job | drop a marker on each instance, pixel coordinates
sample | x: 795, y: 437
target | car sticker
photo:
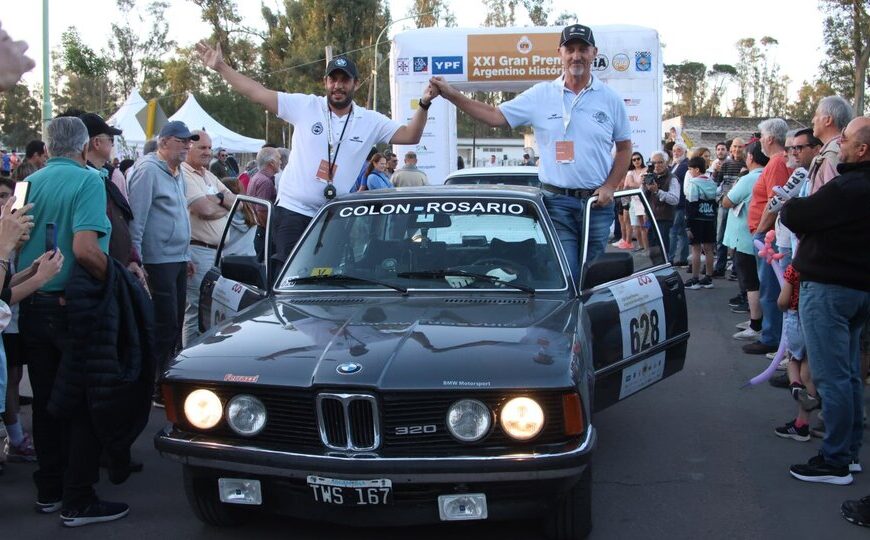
x: 433, y: 207
x: 642, y: 374
x: 641, y: 313
x: 321, y: 271
x: 225, y: 299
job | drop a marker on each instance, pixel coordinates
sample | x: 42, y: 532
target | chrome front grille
x: 348, y: 421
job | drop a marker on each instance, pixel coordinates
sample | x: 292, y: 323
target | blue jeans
x: 678, y: 240
x: 832, y: 317
x: 721, y: 249
x: 567, y: 216
x: 203, y: 259
x: 768, y: 292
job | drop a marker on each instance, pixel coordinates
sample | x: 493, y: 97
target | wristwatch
x: 425, y: 106
x: 220, y: 196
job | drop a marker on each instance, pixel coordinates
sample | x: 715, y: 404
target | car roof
x: 500, y: 171
x: 463, y: 190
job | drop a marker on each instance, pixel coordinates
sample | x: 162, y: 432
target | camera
x: 649, y: 179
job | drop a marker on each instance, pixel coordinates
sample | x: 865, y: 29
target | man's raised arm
x: 484, y: 112
x: 251, y: 89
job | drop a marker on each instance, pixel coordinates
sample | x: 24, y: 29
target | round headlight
x: 522, y: 418
x: 469, y: 420
x: 246, y: 415
x: 203, y: 409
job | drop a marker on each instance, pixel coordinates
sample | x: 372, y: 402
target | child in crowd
x: 701, y: 214
x: 802, y: 388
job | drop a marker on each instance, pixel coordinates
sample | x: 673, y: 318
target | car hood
x: 390, y: 343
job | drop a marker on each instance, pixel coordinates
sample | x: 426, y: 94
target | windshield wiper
x: 345, y: 277
x: 438, y: 274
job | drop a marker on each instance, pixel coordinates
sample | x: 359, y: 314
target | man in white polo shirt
x: 331, y: 139
x: 577, y: 119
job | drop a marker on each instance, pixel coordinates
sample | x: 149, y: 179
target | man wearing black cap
x: 331, y: 138
x: 161, y: 232
x: 577, y: 119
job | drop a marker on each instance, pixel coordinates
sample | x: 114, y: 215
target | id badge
x: 564, y: 151
x: 323, y: 171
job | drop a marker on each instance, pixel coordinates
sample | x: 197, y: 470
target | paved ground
x: 692, y: 457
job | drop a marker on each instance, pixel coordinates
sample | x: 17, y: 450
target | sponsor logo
x: 600, y: 63
x: 633, y: 118
x: 631, y: 102
x: 643, y: 60
x: 317, y: 128
x: 621, y: 62
x: 229, y: 377
x: 524, y: 45
x: 446, y: 65
x: 348, y: 368
x: 600, y: 117
x: 403, y: 66
x: 554, y: 116
x: 421, y: 148
x: 421, y: 64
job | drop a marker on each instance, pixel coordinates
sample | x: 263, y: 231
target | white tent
x: 125, y: 119
x: 195, y: 117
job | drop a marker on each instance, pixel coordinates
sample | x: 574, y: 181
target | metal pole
x: 375, y: 55
x: 46, y: 82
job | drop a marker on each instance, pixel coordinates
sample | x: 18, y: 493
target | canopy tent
x: 125, y: 119
x: 195, y: 117
x: 511, y: 60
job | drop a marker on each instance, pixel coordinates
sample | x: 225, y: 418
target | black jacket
x: 112, y: 366
x: 833, y: 226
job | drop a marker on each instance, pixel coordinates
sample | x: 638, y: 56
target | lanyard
x: 566, y: 117
x: 330, y: 160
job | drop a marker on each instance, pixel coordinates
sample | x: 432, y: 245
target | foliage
x: 538, y: 11
x: 762, y: 87
x: 81, y: 76
x: 688, y: 81
x: 846, y: 33
x: 808, y: 99
x: 20, y: 116
x: 500, y: 12
x: 431, y: 13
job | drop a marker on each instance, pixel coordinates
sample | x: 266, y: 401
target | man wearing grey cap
x: 577, y: 121
x: 160, y: 232
x: 331, y: 138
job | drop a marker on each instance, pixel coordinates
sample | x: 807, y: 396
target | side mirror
x: 608, y: 267
x: 244, y: 269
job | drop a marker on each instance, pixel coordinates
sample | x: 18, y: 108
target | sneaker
x: 22, y: 453
x: 706, y: 282
x: 795, y: 389
x: 855, y: 466
x: 790, y: 431
x: 625, y: 245
x: 742, y: 308
x: 743, y: 326
x: 97, y: 512
x: 808, y: 402
x: 49, y: 507
x: 736, y: 301
x: 857, y: 512
x: 779, y: 381
x: 758, y: 348
x: 747, y: 335
x: 819, y: 470
x: 783, y: 364
x: 693, y: 283
x: 732, y: 277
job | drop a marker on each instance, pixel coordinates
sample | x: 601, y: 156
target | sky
x: 701, y: 31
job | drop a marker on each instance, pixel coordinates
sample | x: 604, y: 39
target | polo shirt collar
x: 357, y: 110
x: 63, y: 161
x: 560, y: 82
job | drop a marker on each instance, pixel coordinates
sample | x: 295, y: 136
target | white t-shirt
x: 299, y: 189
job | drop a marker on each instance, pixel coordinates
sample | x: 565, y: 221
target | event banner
x: 513, y: 57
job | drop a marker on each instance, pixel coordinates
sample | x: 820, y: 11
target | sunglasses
x: 636, y: 159
x: 799, y: 147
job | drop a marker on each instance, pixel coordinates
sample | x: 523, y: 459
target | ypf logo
x: 600, y: 63
x: 524, y: 45
x: 447, y: 65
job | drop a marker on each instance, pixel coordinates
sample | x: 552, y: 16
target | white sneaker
x: 743, y: 326
x: 747, y: 335
x: 783, y: 364
x: 770, y: 355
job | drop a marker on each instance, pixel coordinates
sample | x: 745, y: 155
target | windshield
x: 432, y: 243
x: 506, y: 179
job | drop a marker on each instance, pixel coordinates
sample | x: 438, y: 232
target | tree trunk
x: 860, y: 77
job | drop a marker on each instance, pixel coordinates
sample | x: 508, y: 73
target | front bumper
x: 521, y: 485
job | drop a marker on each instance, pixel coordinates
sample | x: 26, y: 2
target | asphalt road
x: 692, y: 457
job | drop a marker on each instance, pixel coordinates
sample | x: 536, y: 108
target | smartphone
x: 50, y: 237
x: 21, y: 191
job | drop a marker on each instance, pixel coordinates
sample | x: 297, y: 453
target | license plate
x: 351, y: 492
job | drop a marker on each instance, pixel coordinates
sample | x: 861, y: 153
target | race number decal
x: 641, y: 313
x: 226, y: 297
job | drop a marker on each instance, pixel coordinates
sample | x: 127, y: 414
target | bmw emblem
x: 348, y: 368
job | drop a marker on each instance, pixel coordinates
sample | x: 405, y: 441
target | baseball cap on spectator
x: 342, y: 63
x: 577, y: 31
x: 97, y: 126
x: 178, y: 129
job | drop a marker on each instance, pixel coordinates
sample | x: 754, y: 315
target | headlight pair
x: 245, y: 414
x: 470, y: 420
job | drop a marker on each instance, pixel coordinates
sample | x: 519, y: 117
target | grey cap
x: 178, y: 129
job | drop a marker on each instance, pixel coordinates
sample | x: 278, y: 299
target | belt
x: 578, y: 193
x: 202, y: 244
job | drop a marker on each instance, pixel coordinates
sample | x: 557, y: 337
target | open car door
x: 238, y: 278
x: 635, y: 304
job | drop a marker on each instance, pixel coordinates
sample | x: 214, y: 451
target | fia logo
x: 643, y: 60
x: 317, y: 128
x: 403, y: 66
x: 421, y: 64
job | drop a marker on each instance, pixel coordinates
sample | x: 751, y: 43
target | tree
x: 846, y: 32
x: 20, y: 116
x: 808, y: 99
x: 538, y: 11
x: 138, y: 61
x: 430, y: 13
x: 500, y: 12
x: 762, y: 88
x: 688, y: 81
x: 565, y: 18
x: 81, y: 76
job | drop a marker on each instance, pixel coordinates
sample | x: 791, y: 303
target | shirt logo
x: 403, y: 66
x: 421, y: 64
x: 446, y: 65
x: 554, y: 116
x: 600, y: 117
x: 355, y: 138
x: 620, y: 62
x: 317, y: 128
x: 643, y: 60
